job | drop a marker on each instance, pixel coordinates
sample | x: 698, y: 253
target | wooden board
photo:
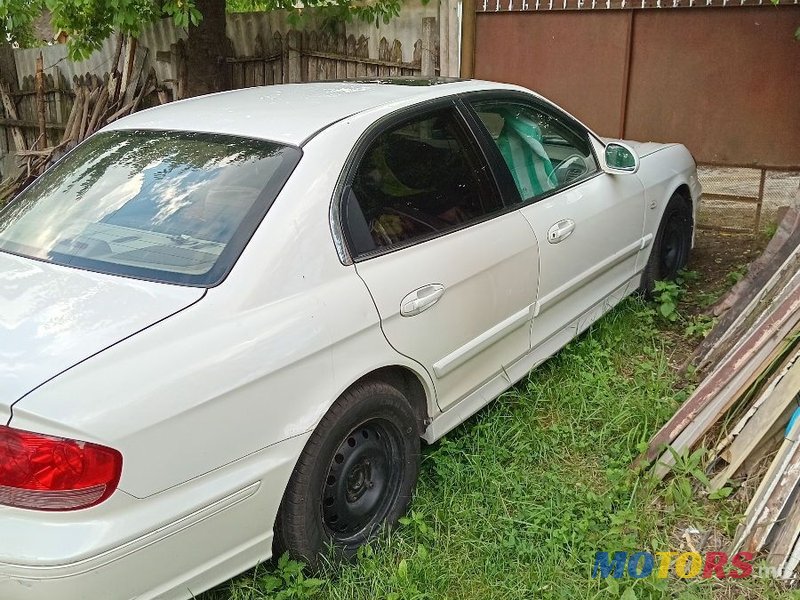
x: 720, y: 389
x: 757, y: 423
x: 768, y: 484
x: 786, y: 534
x: 11, y: 111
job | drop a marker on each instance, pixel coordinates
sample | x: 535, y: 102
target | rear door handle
x: 560, y: 231
x: 421, y: 299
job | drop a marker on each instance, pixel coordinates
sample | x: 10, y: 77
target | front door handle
x: 421, y: 299
x: 560, y: 231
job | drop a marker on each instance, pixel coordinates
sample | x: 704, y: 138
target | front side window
x: 416, y: 180
x: 542, y: 152
x: 176, y: 207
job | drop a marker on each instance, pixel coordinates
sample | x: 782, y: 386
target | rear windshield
x: 168, y: 206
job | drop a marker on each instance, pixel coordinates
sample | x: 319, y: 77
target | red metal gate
x: 720, y: 76
x: 724, y: 81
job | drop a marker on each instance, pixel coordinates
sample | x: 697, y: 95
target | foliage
x: 771, y: 229
x: 89, y: 22
x: 737, y: 274
x: 667, y: 294
x: 16, y: 20
x: 287, y: 581
x: 700, y: 325
x: 329, y: 11
x: 687, y: 473
x: 797, y: 31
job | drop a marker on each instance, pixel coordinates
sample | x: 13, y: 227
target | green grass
x: 514, y: 503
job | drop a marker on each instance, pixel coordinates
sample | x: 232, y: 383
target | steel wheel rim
x: 362, y: 483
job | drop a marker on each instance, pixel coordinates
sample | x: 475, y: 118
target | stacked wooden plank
x: 97, y: 102
x: 751, y: 390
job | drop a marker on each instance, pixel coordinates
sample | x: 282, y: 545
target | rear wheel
x: 672, y: 244
x: 356, y: 474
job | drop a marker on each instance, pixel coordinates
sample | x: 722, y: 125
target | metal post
x: 626, y: 75
x: 760, y: 200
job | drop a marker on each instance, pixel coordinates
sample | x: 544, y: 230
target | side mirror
x: 621, y: 158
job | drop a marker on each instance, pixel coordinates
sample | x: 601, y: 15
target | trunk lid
x: 53, y: 317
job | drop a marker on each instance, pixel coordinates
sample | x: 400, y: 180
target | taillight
x: 48, y: 473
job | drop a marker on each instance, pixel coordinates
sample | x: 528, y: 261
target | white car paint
x: 608, y: 214
x: 53, y: 317
x: 487, y: 301
x: 211, y: 406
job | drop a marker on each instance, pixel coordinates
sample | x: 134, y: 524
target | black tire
x: 356, y: 474
x: 670, y: 252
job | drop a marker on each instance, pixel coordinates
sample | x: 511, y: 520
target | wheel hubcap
x: 363, y: 482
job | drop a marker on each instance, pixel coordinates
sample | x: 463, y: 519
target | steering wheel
x: 570, y: 168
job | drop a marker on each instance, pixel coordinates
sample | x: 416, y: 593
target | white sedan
x: 226, y: 323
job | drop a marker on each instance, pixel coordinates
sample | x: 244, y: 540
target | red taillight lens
x: 49, y: 473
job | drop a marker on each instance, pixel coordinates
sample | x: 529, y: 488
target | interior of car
x: 542, y: 153
x: 419, y: 179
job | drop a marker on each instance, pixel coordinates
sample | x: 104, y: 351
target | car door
x: 589, y: 223
x: 452, y: 271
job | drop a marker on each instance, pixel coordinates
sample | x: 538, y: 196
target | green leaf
x: 612, y: 586
x: 270, y: 583
x: 402, y: 569
x: 701, y: 477
x: 720, y: 493
x: 666, y: 309
x: 628, y: 594
x: 422, y: 551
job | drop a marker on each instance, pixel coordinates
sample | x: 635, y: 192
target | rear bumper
x: 169, y: 546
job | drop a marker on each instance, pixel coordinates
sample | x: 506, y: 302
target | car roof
x: 293, y: 113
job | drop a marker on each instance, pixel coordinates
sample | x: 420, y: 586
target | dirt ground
x: 718, y: 259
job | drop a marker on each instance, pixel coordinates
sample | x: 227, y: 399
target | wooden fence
x: 295, y: 56
x: 22, y: 119
x: 317, y: 56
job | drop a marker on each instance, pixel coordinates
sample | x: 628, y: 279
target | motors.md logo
x: 684, y: 565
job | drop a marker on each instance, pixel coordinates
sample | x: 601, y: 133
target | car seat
x: 520, y: 143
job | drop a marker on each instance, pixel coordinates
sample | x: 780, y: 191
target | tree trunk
x: 207, y: 49
x: 8, y: 69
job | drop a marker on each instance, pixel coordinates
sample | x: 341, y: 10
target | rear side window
x: 176, y: 207
x: 542, y: 151
x: 417, y: 180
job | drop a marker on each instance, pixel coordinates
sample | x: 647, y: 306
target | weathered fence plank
x: 51, y: 103
x: 11, y: 111
x: 293, y: 45
x: 277, y: 65
x: 429, y: 54
x: 362, y: 51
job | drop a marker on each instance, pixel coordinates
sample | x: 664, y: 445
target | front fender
x: 662, y: 173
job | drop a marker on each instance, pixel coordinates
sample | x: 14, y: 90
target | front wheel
x: 356, y: 474
x: 670, y: 252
